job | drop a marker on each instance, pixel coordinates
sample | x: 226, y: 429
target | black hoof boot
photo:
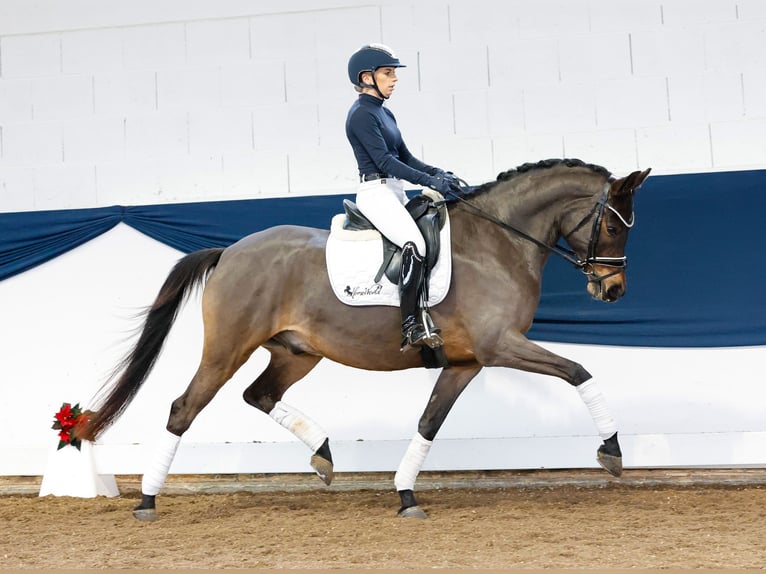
x: 410, y: 508
x: 146, y: 511
x: 321, y: 462
x: 609, y: 456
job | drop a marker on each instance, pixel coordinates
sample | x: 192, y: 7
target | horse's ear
x: 630, y: 183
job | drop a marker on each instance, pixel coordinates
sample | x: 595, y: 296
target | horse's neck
x: 538, y: 203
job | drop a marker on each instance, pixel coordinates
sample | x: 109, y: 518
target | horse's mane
x: 527, y: 167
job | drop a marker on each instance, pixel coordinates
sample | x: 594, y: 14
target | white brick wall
x: 90, y: 51
x: 15, y: 100
x: 635, y: 102
x: 680, y: 13
x: 157, y: 135
x: 32, y: 144
x: 678, y: 146
x: 30, y: 56
x: 62, y: 97
x: 189, y: 88
x: 667, y: 52
x: 162, y: 46
x: 255, y: 81
x: 121, y: 92
x: 614, y: 148
x: 253, y: 173
x: 64, y: 186
x: 562, y: 107
x: 218, y: 42
x: 712, y: 96
x: 624, y: 15
x: 220, y: 130
x: 594, y: 57
x: 126, y: 104
x: 739, y: 144
x: 93, y: 140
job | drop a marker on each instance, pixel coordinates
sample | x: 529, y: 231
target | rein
x: 564, y: 252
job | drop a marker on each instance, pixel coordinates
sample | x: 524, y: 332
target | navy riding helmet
x: 369, y: 58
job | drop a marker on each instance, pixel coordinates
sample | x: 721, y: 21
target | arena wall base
x: 709, y: 450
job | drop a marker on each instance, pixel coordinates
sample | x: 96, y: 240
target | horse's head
x: 610, y: 221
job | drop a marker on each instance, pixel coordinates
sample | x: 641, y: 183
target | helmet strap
x: 377, y: 89
x: 373, y: 85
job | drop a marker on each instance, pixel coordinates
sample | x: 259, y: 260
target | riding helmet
x: 369, y: 58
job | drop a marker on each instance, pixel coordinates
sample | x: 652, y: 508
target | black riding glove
x: 442, y: 182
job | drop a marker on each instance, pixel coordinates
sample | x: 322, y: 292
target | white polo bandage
x: 413, y: 460
x: 299, y: 424
x: 155, y: 476
x: 599, y: 411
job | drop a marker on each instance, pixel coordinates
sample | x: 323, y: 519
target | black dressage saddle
x: 429, y: 216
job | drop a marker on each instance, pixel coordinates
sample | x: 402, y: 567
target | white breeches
x: 383, y: 204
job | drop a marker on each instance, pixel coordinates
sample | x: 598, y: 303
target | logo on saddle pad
x: 369, y: 291
x: 363, y: 266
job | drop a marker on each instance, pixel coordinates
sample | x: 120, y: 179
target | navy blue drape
x: 31, y: 238
x: 695, y: 268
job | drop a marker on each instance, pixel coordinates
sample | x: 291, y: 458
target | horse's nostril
x: 615, y: 291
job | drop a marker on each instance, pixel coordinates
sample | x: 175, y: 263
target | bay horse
x: 271, y: 289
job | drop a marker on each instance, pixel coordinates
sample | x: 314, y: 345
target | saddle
x: 429, y: 214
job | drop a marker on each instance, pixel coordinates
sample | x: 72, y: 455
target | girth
x: 429, y: 216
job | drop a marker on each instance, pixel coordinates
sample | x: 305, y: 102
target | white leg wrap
x: 413, y: 460
x: 155, y: 476
x: 299, y: 424
x: 596, y: 404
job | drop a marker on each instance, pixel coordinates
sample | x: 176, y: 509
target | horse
x: 271, y: 289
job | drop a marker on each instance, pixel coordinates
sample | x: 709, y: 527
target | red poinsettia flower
x: 65, y: 421
x: 64, y: 414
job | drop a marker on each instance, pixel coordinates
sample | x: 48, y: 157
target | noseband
x: 584, y: 265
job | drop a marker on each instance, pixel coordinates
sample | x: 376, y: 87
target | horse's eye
x: 611, y: 230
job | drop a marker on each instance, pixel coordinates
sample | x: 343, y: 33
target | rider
x: 384, y: 161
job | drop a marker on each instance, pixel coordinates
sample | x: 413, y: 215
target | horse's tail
x: 189, y: 272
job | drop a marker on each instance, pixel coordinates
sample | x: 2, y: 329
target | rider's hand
x: 442, y: 182
x: 453, y: 180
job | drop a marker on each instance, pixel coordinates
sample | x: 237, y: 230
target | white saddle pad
x: 354, y: 258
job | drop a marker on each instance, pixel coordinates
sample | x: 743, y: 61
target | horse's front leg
x: 447, y: 389
x: 521, y: 353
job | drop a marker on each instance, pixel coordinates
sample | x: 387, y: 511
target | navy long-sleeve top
x: 378, y: 145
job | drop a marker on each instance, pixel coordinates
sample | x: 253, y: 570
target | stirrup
x: 421, y: 333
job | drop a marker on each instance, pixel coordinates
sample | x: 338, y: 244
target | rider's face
x: 386, y: 79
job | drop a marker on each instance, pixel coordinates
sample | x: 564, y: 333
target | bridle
x: 591, y: 259
x: 586, y: 265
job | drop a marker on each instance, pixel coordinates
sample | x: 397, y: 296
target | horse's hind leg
x: 447, y: 389
x: 286, y: 368
x: 207, y: 381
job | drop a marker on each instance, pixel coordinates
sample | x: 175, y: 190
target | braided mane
x: 527, y: 167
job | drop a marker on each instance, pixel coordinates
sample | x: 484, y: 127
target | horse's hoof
x: 413, y: 512
x: 610, y: 463
x: 323, y: 468
x: 145, y: 514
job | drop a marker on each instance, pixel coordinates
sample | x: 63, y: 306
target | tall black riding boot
x: 417, y: 329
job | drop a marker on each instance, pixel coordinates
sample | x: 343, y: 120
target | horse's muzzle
x: 608, y: 287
